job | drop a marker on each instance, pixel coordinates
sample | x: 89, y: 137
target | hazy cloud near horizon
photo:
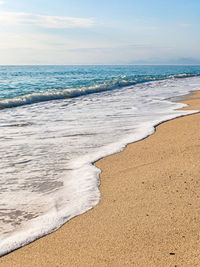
x: 87, y: 32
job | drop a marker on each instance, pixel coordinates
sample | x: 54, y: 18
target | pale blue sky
x: 99, y: 32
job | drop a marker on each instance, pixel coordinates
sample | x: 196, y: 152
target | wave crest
x: 76, y: 92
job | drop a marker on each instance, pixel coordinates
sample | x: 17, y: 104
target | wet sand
x: 149, y: 214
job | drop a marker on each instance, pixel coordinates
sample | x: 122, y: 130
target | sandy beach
x: 149, y: 213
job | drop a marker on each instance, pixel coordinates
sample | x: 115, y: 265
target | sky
x: 99, y: 32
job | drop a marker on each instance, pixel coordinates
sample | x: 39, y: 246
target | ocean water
x: 55, y: 121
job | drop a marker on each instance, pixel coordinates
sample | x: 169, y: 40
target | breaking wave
x: 76, y: 92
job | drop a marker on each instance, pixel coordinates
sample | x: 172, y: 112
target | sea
x: 56, y: 121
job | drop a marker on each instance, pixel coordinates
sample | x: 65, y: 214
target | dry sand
x: 149, y: 214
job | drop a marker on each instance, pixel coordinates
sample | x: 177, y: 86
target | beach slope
x: 149, y: 214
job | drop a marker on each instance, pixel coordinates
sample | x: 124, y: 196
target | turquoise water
x: 31, y: 84
x: 55, y: 121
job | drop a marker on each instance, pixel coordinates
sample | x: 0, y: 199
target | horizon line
x: 96, y: 64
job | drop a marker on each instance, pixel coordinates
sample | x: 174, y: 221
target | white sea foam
x: 47, y: 151
x: 48, y: 95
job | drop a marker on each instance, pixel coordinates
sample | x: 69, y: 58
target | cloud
x: 185, y: 25
x: 23, y: 41
x: 54, y: 22
x: 1, y: 2
x: 40, y: 41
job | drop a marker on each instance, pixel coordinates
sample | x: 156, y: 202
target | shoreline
x: 108, y: 232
